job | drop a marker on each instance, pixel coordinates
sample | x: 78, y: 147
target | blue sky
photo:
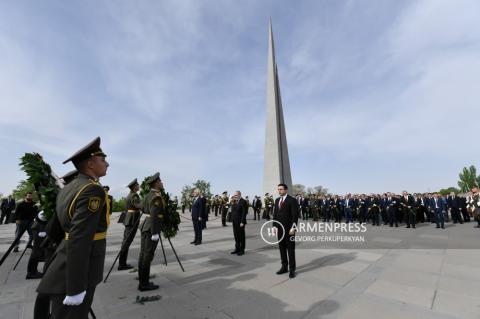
x: 378, y: 95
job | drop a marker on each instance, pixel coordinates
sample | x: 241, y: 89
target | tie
x: 281, y: 202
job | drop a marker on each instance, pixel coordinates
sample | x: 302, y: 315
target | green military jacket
x: 475, y: 204
x: 268, y: 202
x: 225, y: 202
x: 133, y: 205
x: 154, y: 209
x: 84, y: 214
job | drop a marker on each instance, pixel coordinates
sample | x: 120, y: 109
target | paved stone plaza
x: 331, y: 283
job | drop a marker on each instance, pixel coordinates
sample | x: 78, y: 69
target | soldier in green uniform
x: 133, y: 206
x: 154, y: 209
x: 55, y: 235
x: 84, y: 215
x: 184, y: 204
x: 208, y: 205
x: 215, y: 205
x: 268, y: 206
x: 110, y: 197
x: 224, y: 204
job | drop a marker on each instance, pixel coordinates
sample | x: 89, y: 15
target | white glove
x: 42, y: 217
x: 74, y: 300
x: 155, y: 237
x: 42, y: 234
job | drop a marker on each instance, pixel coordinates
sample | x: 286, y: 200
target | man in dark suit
x: 257, y: 207
x: 239, y: 219
x: 325, y: 205
x: 336, y: 206
x: 198, y: 214
x: 348, y: 205
x: 453, y: 204
x: 407, y: 203
x: 285, y: 212
x: 384, y: 208
x: 439, y: 207
x: 392, y: 204
x: 304, y: 207
x: 420, y: 208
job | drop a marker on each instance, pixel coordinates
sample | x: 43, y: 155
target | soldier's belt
x: 132, y: 211
x: 97, y: 236
x: 159, y: 215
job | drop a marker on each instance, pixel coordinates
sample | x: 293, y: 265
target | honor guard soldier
x: 37, y: 250
x: 53, y: 238
x: 215, y: 205
x: 154, y: 208
x: 184, y: 204
x: 133, y: 206
x: 110, y: 198
x: 224, y: 203
x: 84, y: 215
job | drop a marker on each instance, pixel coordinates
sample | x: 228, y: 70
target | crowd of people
x: 377, y: 209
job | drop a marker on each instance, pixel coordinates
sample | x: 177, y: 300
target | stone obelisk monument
x: 276, y: 165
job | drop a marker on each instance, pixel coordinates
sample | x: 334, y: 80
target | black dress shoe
x: 198, y: 243
x: 291, y: 274
x: 35, y: 275
x: 282, y: 271
x: 234, y: 252
x: 193, y: 242
x: 15, y: 250
x: 148, y: 287
x: 240, y: 253
x: 125, y: 267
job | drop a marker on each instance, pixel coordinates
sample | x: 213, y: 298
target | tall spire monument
x: 276, y: 162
